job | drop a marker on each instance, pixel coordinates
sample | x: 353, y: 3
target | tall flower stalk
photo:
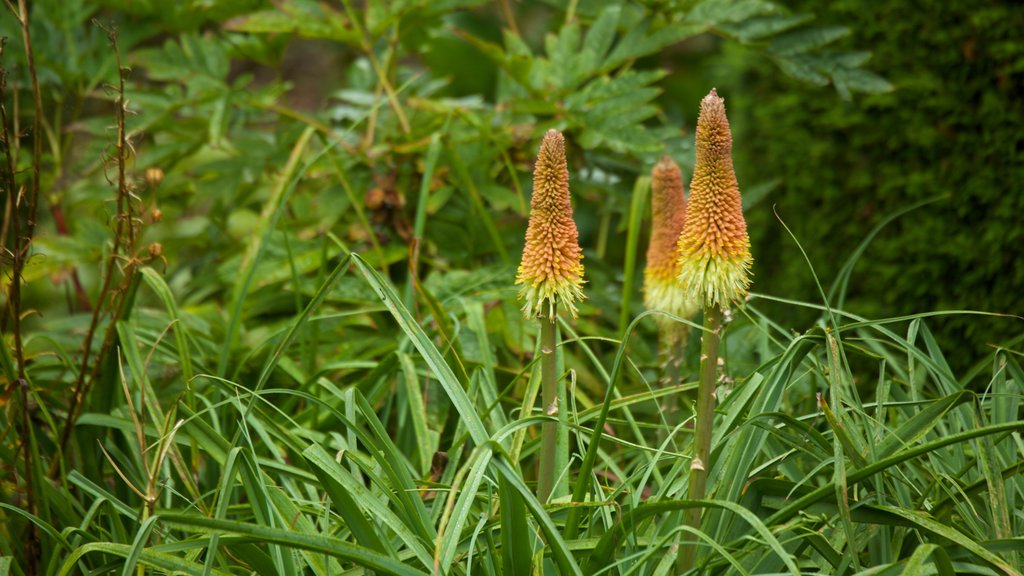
x: 550, y: 274
x: 661, y: 274
x: 714, y: 270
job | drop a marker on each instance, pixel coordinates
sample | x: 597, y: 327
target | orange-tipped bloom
x: 714, y: 249
x: 551, y: 271
x: 668, y: 213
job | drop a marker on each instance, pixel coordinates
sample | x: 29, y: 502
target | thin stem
x: 701, y: 463
x: 122, y: 250
x: 549, y: 393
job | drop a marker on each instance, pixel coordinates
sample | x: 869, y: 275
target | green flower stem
x: 700, y: 465
x: 549, y: 394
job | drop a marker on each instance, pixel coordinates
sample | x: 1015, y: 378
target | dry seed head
x: 714, y: 248
x: 154, y: 176
x: 551, y: 271
x: 668, y: 213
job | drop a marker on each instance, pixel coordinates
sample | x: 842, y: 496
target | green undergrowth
x: 417, y: 454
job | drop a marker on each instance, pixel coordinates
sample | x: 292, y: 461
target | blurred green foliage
x: 953, y: 127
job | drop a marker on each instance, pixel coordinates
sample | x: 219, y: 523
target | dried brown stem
x: 21, y: 247
x: 123, y: 250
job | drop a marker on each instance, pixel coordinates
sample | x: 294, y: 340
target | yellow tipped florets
x: 714, y: 248
x: 668, y: 213
x: 551, y: 271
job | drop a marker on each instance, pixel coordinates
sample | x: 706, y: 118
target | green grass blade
x: 181, y: 334
x: 138, y: 545
x: 452, y: 387
x: 426, y: 441
x: 406, y: 492
x: 553, y: 538
x: 516, y: 552
x: 916, y: 566
x: 941, y: 530
x: 605, y: 549
x: 861, y: 474
x: 464, y: 491
x: 920, y: 424
x: 336, y: 478
x: 159, y: 560
x: 637, y: 209
x: 343, y: 492
x: 296, y: 325
x: 334, y: 547
x: 272, y: 212
x: 590, y: 457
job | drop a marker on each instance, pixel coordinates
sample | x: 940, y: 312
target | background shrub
x: 953, y: 127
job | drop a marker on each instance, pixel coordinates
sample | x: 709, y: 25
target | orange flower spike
x: 714, y: 248
x: 551, y: 271
x: 668, y: 211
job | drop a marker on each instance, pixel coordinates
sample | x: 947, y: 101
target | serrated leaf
x: 563, y: 51
x: 638, y: 42
x: 619, y: 139
x: 600, y: 37
x: 860, y: 80
x: 851, y: 59
x: 515, y: 58
x: 803, y: 41
x: 714, y: 12
x: 605, y: 88
x: 803, y: 69
x: 761, y: 27
x: 305, y: 18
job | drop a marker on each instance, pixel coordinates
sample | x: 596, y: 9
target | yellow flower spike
x: 551, y: 271
x: 714, y: 248
x: 668, y: 213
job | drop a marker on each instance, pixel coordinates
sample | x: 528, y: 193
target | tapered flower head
x: 714, y: 248
x: 551, y: 271
x: 668, y: 213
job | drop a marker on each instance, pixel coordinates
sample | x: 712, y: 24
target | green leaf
x: 803, y: 69
x: 628, y: 521
x: 639, y: 42
x: 929, y: 524
x: 715, y: 12
x: 351, y: 497
x: 860, y: 80
x: 305, y: 18
x: 757, y: 28
x: 563, y: 52
x: 334, y: 547
x: 920, y: 424
x: 599, y: 38
x: 803, y: 41
x: 344, y: 491
x: 517, y: 554
x: 452, y: 387
x: 146, y: 557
